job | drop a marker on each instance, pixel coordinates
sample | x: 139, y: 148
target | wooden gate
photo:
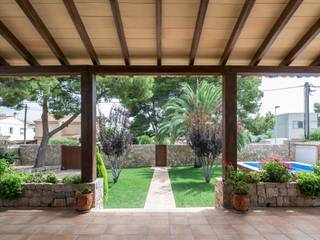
x: 71, y: 157
x: 161, y: 155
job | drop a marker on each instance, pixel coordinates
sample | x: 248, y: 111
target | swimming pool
x: 296, y: 166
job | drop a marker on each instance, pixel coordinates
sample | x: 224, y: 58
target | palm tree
x: 206, y: 98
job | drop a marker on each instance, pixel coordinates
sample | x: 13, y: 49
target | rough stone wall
x: 28, y: 154
x: 266, y: 194
x: 257, y: 152
x: 180, y: 155
x: 54, y: 195
x: 141, y: 156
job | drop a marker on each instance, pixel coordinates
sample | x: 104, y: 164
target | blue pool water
x: 296, y: 167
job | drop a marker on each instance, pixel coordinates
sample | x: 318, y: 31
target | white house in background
x: 14, y: 129
x: 291, y: 125
x: 73, y: 131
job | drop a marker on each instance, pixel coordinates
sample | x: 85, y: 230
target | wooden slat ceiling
x: 154, y: 32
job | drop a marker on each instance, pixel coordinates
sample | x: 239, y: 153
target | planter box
x: 54, y: 195
x: 266, y: 194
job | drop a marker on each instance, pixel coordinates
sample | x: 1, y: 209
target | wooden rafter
x: 316, y: 62
x: 38, y: 24
x: 75, y: 16
x: 3, y: 62
x: 198, y: 30
x: 284, y: 18
x: 119, y: 26
x: 245, y: 12
x: 307, y: 38
x: 16, y: 44
x: 159, y: 31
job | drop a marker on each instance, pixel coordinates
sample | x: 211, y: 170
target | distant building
x: 291, y: 125
x: 73, y: 131
x: 13, y: 129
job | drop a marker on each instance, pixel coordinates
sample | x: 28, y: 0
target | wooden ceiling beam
x: 119, y: 26
x: 3, y: 62
x: 245, y: 12
x: 38, y: 24
x: 307, y: 38
x: 198, y: 30
x: 160, y: 70
x: 159, y: 31
x: 17, y: 45
x: 284, y: 18
x: 76, y: 19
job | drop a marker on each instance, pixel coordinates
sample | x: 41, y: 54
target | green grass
x: 131, y: 189
x: 190, y: 189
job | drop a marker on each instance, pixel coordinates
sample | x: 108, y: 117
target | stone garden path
x: 160, y: 195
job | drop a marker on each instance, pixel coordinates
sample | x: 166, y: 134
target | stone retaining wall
x: 180, y: 155
x: 141, y: 156
x: 266, y: 194
x: 144, y: 155
x: 54, y: 195
x: 28, y: 154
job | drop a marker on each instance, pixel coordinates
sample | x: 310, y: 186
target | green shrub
x: 86, y: 190
x: 252, y: 177
x: 237, y: 179
x: 102, y: 173
x: 64, y: 141
x: 316, y: 169
x: 275, y: 171
x: 52, y: 178
x: 72, y: 179
x: 315, y: 135
x: 240, y: 187
x: 309, y: 184
x: 145, y: 139
x: 35, y: 178
x: 11, y: 185
x: 10, y: 157
x: 4, y: 166
x: 25, y: 177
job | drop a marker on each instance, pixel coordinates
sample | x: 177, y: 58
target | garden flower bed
x: 274, y: 186
x: 266, y: 194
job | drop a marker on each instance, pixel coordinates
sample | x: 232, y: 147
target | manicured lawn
x: 131, y: 189
x: 190, y: 189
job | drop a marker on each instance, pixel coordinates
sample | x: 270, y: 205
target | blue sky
x: 289, y: 100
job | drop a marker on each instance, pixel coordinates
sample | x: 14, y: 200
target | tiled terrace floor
x: 202, y: 224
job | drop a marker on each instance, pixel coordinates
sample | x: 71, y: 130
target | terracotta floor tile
x: 160, y: 229
x: 93, y: 229
x: 112, y: 237
x: 271, y: 236
x: 178, y: 220
x: 201, y: 230
x: 266, y: 224
x: 12, y: 237
x: 266, y: 228
x: 245, y: 229
x: 177, y: 229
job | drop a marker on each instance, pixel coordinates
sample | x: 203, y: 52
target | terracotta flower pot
x: 241, y: 202
x: 84, y: 202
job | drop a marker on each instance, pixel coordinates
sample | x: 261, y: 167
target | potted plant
x: 240, y: 189
x: 240, y: 196
x: 84, y: 200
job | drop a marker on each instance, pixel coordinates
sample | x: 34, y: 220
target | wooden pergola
x: 155, y: 37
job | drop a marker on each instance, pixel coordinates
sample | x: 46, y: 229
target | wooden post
x: 88, y: 126
x: 229, y: 112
